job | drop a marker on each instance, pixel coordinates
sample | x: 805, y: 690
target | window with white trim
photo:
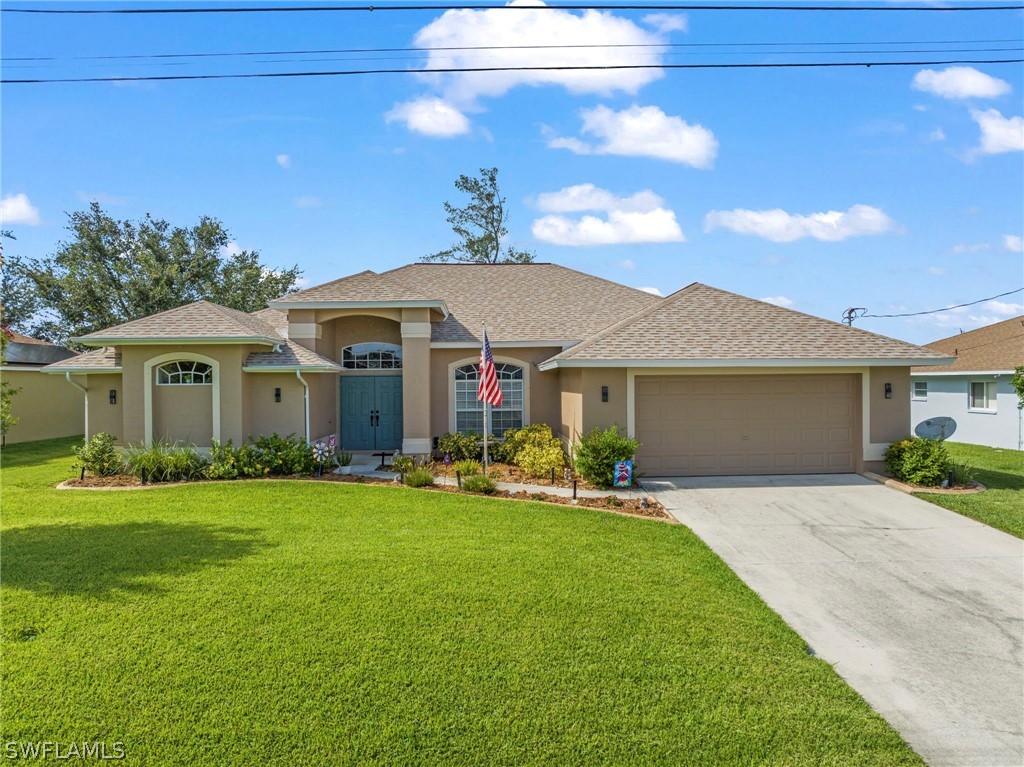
x: 469, y: 411
x: 920, y: 390
x: 184, y: 373
x: 372, y: 356
x: 983, y: 396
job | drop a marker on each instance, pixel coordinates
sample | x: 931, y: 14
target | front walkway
x: 920, y: 609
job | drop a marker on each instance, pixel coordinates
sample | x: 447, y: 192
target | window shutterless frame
x: 920, y: 390
x: 981, y: 397
x: 184, y: 373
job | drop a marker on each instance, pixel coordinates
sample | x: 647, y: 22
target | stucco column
x: 416, y: 436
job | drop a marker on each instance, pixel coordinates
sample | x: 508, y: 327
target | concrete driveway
x: 921, y: 610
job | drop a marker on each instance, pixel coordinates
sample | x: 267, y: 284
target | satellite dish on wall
x: 940, y: 428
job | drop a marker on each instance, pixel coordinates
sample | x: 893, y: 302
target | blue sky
x: 894, y: 189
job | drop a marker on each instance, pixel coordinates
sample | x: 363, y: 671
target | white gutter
x: 305, y: 400
x: 290, y: 368
x: 931, y: 373
x: 744, y: 363
x: 176, y: 340
x: 86, y: 391
x: 83, y: 371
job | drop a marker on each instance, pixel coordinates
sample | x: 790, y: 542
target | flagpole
x: 487, y: 405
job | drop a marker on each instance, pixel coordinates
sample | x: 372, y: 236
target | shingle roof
x: 993, y: 347
x: 95, y: 361
x: 704, y: 323
x: 201, y: 320
x: 291, y: 355
x: 518, y: 302
x: 277, y: 320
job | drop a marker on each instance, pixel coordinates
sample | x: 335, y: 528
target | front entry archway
x: 371, y: 412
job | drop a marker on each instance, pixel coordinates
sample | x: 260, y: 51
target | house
x: 709, y: 382
x: 976, y: 390
x: 45, y: 407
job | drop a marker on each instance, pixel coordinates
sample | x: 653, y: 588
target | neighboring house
x: 976, y: 389
x: 709, y: 382
x: 44, y: 406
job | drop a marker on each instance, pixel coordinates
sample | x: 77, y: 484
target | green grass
x: 1002, y: 472
x: 285, y: 623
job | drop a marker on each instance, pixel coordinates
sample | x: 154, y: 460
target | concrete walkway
x: 920, y: 609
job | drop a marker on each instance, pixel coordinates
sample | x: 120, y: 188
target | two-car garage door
x: 746, y: 424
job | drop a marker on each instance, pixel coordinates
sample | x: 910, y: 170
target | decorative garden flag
x: 624, y: 474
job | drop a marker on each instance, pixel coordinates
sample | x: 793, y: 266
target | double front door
x: 371, y: 412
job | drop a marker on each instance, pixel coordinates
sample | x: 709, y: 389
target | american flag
x: 488, y: 390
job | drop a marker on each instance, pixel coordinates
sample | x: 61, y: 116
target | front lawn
x: 290, y: 623
x: 1002, y: 472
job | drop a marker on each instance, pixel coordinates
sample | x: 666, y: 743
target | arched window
x: 372, y: 357
x: 184, y: 373
x: 469, y: 411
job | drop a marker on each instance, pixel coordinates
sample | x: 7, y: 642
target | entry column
x: 416, y: 437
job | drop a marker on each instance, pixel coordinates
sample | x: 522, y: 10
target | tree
x: 481, y: 224
x: 7, y: 419
x: 115, y: 271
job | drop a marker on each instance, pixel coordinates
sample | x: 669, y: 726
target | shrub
x: 467, y: 468
x: 403, y: 464
x: 917, y: 460
x: 479, y: 483
x: 963, y: 473
x: 344, y: 458
x: 461, y: 447
x: 534, y: 448
x: 599, y: 450
x: 99, y: 456
x: 223, y: 461
x: 275, y: 455
x: 501, y: 451
x: 419, y: 478
x: 161, y: 462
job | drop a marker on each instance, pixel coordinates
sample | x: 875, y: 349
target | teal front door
x: 371, y: 412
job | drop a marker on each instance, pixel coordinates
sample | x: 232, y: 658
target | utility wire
x: 503, y: 48
x: 449, y: 70
x: 495, y: 7
x: 934, y: 311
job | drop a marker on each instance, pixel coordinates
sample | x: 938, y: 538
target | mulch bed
x: 118, y: 480
x: 503, y: 472
x: 908, y: 487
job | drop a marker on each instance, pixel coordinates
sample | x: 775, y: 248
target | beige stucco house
x: 709, y: 382
x: 45, y: 407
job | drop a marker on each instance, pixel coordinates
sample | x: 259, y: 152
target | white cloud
x: 430, y: 116
x: 667, y: 22
x: 284, y: 160
x: 937, y: 135
x: 969, y: 317
x: 498, y: 27
x: 1013, y: 243
x: 782, y: 301
x: 936, y: 270
x: 308, y: 201
x: 960, y: 83
x: 652, y: 291
x: 779, y: 226
x: 643, y: 132
x: 232, y: 249
x: 969, y: 247
x: 998, y: 134
x: 1004, y: 308
x: 18, y: 209
x: 627, y: 263
x: 639, y: 218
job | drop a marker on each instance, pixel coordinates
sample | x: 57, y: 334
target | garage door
x: 773, y: 424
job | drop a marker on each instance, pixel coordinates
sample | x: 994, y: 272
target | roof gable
x: 701, y: 323
x: 199, y: 321
x: 994, y: 347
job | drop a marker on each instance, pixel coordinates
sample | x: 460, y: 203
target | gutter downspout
x: 305, y: 400
x: 84, y: 389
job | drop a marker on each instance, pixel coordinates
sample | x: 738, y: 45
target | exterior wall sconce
x: 888, y: 391
x: 113, y: 396
x: 277, y: 394
x: 604, y: 393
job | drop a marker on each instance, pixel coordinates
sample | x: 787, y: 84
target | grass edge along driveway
x: 292, y: 623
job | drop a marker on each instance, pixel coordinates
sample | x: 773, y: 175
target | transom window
x: 469, y: 411
x: 184, y: 373
x: 920, y: 390
x: 372, y: 356
x: 983, y: 396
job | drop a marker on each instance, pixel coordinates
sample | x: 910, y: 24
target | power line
x: 217, y: 54
x: 855, y: 313
x: 495, y: 7
x: 450, y: 70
